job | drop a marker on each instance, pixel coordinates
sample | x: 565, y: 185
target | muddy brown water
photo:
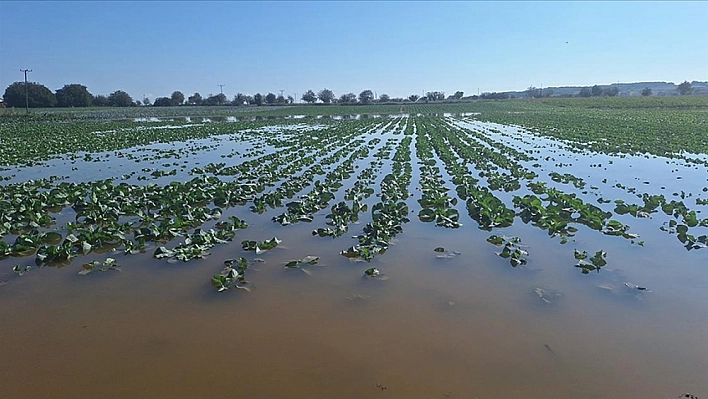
x: 467, y: 327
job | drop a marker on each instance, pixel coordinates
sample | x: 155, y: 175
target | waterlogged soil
x: 459, y: 322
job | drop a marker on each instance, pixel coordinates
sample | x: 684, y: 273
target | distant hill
x: 625, y: 89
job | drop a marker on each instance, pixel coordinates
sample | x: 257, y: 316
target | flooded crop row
x: 458, y: 255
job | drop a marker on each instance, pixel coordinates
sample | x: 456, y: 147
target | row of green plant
x: 390, y: 213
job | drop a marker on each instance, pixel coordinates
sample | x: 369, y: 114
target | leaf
x: 19, y: 270
x: 495, y: 240
x: 85, y: 247
x: 310, y: 259
x: 599, y: 259
x: 372, y: 272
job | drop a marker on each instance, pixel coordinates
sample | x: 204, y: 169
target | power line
x: 26, y: 89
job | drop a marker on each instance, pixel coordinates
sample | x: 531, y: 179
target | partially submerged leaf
x: 372, y: 272
x: 547, y: 295
x: 19, y: 270
x: 232, y: 275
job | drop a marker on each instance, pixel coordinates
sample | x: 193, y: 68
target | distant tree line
x: 76, y: 95
x: 71, y: 95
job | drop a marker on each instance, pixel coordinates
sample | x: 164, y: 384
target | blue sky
x: 399, y: 48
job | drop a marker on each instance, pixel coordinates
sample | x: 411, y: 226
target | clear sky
x: 398, y: 47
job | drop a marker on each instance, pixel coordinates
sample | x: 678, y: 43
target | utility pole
x: 26, y: 89
x: 221, y: 90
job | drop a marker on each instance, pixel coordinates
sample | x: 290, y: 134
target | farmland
x: 490, y: 248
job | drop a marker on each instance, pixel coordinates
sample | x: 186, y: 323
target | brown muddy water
x: 466, y: 327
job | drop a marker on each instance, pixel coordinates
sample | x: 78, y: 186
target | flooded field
x: 399, y: 256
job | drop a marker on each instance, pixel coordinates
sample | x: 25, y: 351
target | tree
x: 413, y: 97
x: 281, y: 100
x: 347, y: 98
x: 435, y: 95
x: 325, y: 95
x: 73, y: 95
x: 239, y: 99
x: 291, y: 100
x: 309, y: 97
x: 270, y: 98
x: 384, y: 98
x: 366, y: 96
x: 195, y: 99
x: 585, y: 92
x: 596, y: 91
x: 100, y: 101
x: 533, y: 92
x: 218, y: 99
x: 611, y: 91
x: 177, y: 98
x: 119, y: 98
x: 163, y: 102
x: 38, y: 95
x: 258, y: 99
x: 146, y: 101
x: 646, y: 92
x: 684, y: 88
x: 459, y: 95
x: 495, y: 96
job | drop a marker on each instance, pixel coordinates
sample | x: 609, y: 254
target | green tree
x: 585, y: 92
x: 611, y: 91
x: 325, y: 95
x: 384, y: 98
x: 218, y: 99
x: 459, y: 94
x: 258, y: 99
x: 73, y: 95
x: 646, y: 92
x: 309, y: 97
x: 281, y: 100
x: 100, y: 101
x: 38, y: 95
x: 413, y: 97
x: 239, y: 99
x: 291, y: 100
x: 347, y: 98
x: 195, y: 99
x: 533, y: 92
x: 177, y: 98
x: 163, y: 102
x: 684, y: 88
x: 596, y: 91
x: 270, y: 98
x: 435, y: 95
x: 366, y: 96
x: 146, y: 101
x: 119, y: 98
